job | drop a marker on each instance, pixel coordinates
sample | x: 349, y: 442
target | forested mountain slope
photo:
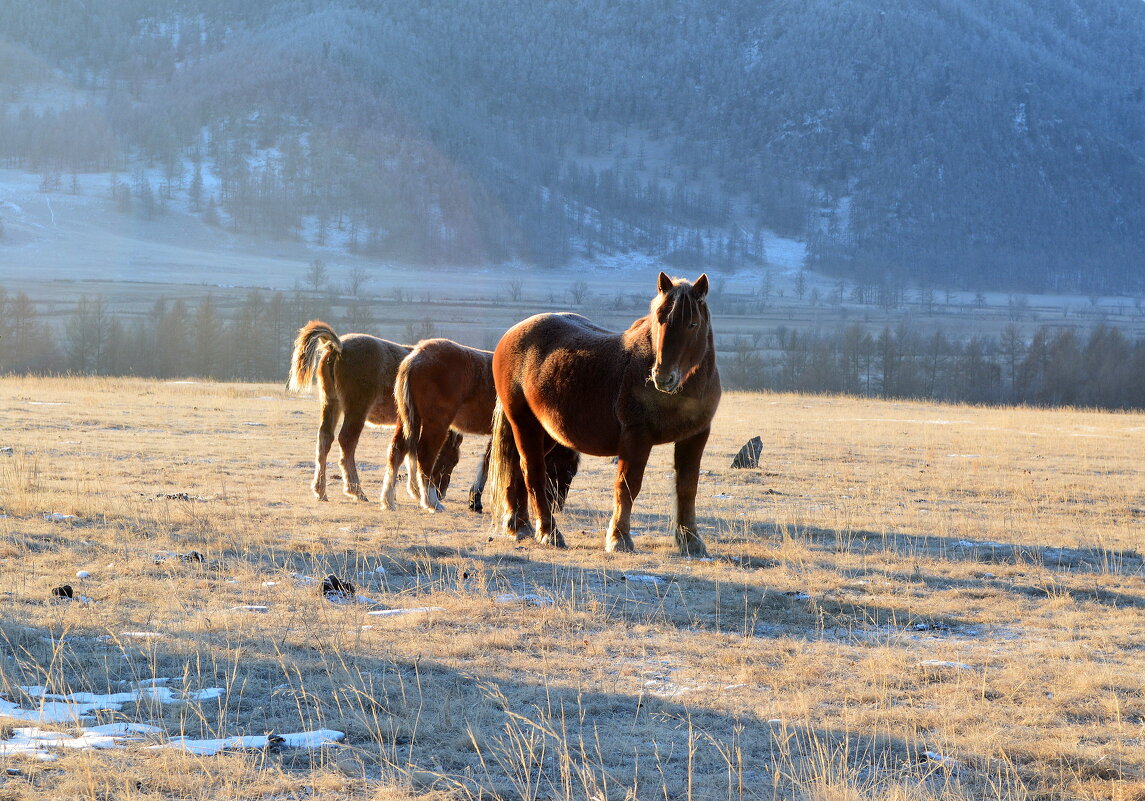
x: 942, y: 142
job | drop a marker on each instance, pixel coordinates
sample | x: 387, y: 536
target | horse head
x: 680, y: 328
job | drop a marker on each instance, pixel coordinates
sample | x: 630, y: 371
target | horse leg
x: 330, y: 412
x: 397, y: 453
x: 632, y: 460
x: 428, y: 445
x: 531, y: 444
x: 516, y: 520
x: 478, y: 485
x: 447, y: 458
x: 687, y: 463
x: 348, y: 436
x: 561, y: 463
x: 411, y: 476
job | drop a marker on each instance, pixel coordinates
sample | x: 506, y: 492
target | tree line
x: 251, y: 340
x: 1052, y: 367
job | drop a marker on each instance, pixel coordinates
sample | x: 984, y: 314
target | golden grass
x: 896, y: 579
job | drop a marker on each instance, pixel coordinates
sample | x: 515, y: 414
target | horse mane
x: 312, y: 342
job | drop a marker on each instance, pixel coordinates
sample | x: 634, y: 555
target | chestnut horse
x: 356, y: 381
x: 560, y: 379
x: 445, y: 389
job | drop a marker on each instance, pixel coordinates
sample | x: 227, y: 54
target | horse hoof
x: 618, y: 544
x: 693, y: 548
x: 555, y: 539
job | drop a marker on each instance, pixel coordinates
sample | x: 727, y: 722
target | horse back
x: 453, y: 381
x: 364, y: 374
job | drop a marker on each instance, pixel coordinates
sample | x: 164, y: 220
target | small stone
x: 82, y: 574
x: 63, y: 591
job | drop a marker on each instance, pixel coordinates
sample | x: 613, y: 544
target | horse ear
x: 700, y: 288
x: 664, y: 283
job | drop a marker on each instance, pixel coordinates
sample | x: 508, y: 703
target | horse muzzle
x: 666, y: 380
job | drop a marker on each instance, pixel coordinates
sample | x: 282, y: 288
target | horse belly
x: 584, y: 426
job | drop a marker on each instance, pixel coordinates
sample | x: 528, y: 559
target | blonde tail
x: 312, y: 341
x: 505, y: 476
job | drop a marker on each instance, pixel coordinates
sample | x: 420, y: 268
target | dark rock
x: 334, y: 586
x: 63, y: 591
x: 749, y: 454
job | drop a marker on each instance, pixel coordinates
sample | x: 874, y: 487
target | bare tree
x: 316, y: 275
x: 356, y: 280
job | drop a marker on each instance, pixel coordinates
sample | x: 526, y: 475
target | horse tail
x: 407, y: 411
x: 313, y: 340
x: 504, y: 461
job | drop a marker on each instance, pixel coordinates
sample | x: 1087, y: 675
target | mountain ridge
x: 945, y: 144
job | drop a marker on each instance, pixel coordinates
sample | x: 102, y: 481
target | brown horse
x: 561, y: 379
x: 443, y: 390
x: 356, y: 381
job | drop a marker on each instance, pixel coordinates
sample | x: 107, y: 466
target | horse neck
x: 638, y: 339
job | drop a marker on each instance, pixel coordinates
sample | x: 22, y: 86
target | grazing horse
x: 444, y: 389
x: 560, y: 379
x: 356, y: 381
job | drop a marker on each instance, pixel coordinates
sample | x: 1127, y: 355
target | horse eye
x: 693, y: 324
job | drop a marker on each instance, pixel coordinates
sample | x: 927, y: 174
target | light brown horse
x: 560, y: 379
x: 443, y: 390
x: 356, y: 381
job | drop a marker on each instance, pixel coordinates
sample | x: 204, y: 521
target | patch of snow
x: 35, y: 742
x: 305, y: 739
x: 643, y: 579
x: 949, y: 763
x: 72, y: 707
x: 528, y: 599
x: 417, y: 610
x: 985, y: 544
x: 939, y: 663
x: 38, y: 742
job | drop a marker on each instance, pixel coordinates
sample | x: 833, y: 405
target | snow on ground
x: 73, y: 708
x: 42, y: 744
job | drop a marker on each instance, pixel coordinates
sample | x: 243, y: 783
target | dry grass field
x: 905, y: 601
